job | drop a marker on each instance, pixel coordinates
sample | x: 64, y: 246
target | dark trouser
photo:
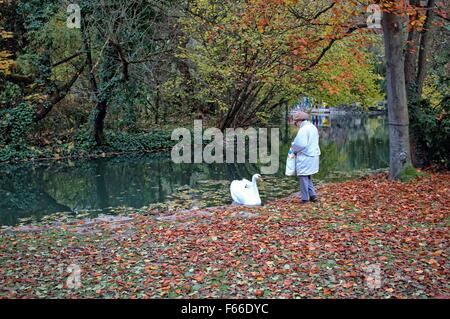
x: 307, y: 190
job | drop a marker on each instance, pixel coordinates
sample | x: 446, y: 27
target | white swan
x: 245, y: 192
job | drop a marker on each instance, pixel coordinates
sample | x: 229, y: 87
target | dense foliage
x: 136, y: 68
x: 429, y: 116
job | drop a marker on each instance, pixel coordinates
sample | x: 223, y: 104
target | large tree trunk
x: 411, y: 59
x: 424, y: 49
x: 411, y: 80
x: 101, y: 102
x: 417, y: 51
x: 394, y: 42
x: 99, y: 121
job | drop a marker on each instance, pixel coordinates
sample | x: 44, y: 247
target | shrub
x: 430, y: 128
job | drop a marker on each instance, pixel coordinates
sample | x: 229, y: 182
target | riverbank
x: 83, y: 147
x: 80, y: 145
x: 332, y: 249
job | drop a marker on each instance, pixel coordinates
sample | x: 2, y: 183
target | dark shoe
x: 304, y: 202
x: 314, y: 199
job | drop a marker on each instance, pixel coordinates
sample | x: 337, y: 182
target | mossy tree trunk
x: 394, y: 41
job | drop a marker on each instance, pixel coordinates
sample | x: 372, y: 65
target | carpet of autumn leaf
x: 281, y: 250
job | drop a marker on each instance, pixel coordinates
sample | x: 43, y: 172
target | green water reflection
x: 154, y: 182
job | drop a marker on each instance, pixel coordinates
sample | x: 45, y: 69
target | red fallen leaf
x: 347, y: 285
x: 326, y: 291
x: 432, y: 262
x: 311, y: 287
x: 187, y: 287
x: 199, y: 278
x: 259, y: 293
x: 288, y: 283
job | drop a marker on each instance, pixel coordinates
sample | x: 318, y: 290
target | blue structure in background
x: 319, y: 117
x: 321, y: 120
x: 305, y: 103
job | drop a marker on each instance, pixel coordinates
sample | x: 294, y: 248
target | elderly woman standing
x: 306, y: 148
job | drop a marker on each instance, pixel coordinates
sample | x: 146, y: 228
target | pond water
x: 351, y: 145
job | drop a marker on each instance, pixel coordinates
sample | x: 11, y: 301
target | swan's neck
x: 254, y: 185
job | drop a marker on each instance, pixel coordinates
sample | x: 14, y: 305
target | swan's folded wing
x: 239, y: 192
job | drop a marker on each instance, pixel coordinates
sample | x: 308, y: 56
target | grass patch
x: 409, y: 173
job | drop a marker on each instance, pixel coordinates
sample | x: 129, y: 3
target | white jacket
x: 306, y: 146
